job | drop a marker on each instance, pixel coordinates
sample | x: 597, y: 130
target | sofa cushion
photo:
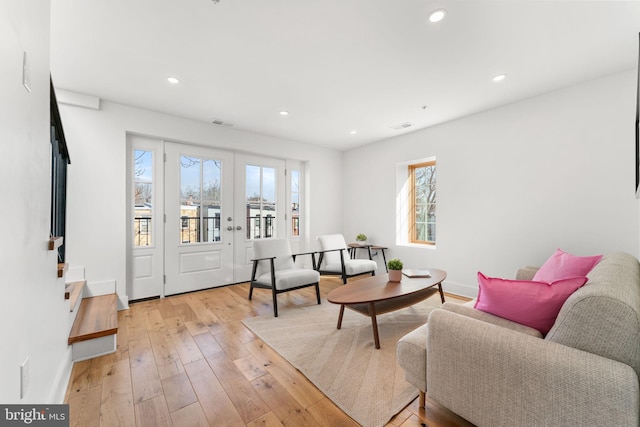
x: 563, y: 265
x: 532, y: 303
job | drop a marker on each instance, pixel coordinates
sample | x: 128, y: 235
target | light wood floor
x: 188, y: 360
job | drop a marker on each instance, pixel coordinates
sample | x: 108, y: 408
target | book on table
x: 414, y: 272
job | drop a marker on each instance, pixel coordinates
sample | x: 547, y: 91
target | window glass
x: 200, y: 199
x: 295, y: 202
x: 422, y: 196
x: 261, y: 201
x: 143, y: 198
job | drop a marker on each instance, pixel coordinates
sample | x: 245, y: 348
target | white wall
x: 514, y: 183
x: 33, y: 312
x: 97, y: 203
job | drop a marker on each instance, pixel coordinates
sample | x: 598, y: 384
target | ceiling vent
x: 402, y: 126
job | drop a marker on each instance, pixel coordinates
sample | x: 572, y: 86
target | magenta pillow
x: 562, y: 265
x: 531, y: 303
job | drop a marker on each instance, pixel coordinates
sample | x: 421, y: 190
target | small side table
x: 353, y: 247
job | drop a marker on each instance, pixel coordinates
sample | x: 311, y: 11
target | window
x: 422, y: 203
x: 59, y: 161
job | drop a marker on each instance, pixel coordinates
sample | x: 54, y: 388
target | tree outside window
x: 422, y: 199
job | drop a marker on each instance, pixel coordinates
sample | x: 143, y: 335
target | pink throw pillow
x: 562, y: 265
x: 534, y: 304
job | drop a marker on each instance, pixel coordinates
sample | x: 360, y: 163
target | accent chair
x: 274, y: 268
x: 333, y: 261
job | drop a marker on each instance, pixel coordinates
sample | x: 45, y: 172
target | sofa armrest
x: 498, y: 377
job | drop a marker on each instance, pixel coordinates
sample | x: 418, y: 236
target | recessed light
x: 173, y: 80
x: 499, y: 77
x: 437, y: 15
x: 284, y: 113
x: 353, y: 132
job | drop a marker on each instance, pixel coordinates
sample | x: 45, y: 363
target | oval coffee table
x: 375, y: 295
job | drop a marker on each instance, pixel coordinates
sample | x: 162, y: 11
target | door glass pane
x: 143, y: 198
x: 211, y: 199
x: 200, y: 200
x: 260, y: 201
x: 295, y: 202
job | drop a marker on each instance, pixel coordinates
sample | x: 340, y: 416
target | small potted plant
x: 361, y: 238
x: 395, y: 270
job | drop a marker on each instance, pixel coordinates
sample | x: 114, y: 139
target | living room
x: 515, y: 182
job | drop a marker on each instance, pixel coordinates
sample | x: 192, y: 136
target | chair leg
x: 275, y: 302
x: 318, y: 292
x: 250, y: 291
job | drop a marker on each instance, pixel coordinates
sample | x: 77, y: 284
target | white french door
x: 259, y: 207
x: 199, y: 218
x: 145, y: 232
x: 195, y: 213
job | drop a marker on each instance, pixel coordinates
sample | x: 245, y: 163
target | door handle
x: 238, y: 227
x: 229, y: 228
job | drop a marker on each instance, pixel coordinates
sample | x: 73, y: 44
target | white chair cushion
x: 287, y: 279
x: 357, y: 266
x: 332, y: 241
x: 267, y: 248
x: 352, y: 266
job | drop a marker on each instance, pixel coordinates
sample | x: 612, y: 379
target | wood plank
x: 83, y: 407
x: 284, y: 406
x: 116, y: 406
x: 55, y: 242
x: 153, y: 413
x: 76, y: 293
x: 68, y: 288
x: 178, y: 392
x: 185, y: 345
x: 208, y: 345
x: 250, y: 367
x: 245, y: 399
x: 62, y: 269
x: 190, y: 416
x: 167, y: 358
x: 144, y: 373
x: 327, y: 413
x: 215, y: 403
x: 267, y: 420
x: 97, y: 317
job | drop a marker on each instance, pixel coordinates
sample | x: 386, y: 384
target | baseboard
x: 460, y: 289
x: 61, y: 382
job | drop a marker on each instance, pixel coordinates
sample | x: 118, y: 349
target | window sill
x: 417, y: 245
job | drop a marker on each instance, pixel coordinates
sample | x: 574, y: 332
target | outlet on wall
x: 24, y: 377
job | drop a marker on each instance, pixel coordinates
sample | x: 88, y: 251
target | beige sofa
x: 494, y: 372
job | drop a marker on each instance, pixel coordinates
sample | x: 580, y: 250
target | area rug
x: 367, y: 384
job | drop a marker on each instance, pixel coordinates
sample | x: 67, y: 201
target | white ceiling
x: 335, y: 65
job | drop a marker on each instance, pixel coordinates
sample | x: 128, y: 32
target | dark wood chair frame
x: 344, y: 274
x: 275, y: 291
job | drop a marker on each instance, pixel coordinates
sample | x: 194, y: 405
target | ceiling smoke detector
x: 402, y: 126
